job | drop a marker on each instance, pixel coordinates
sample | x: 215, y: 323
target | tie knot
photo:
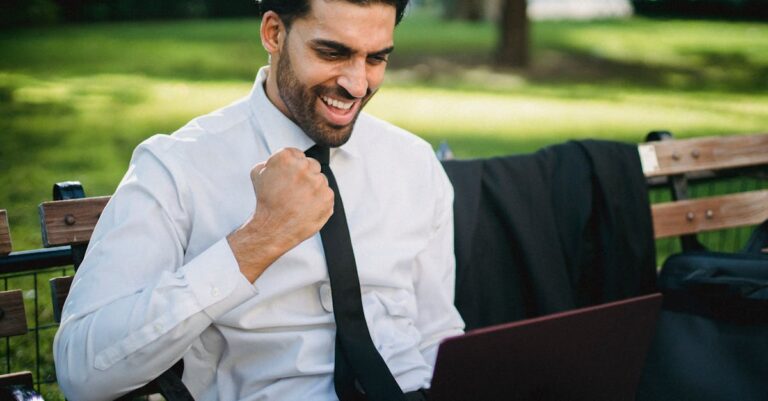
x: 319, y: 153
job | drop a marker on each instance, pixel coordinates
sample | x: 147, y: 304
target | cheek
x: 321, y: 76
x: 375, y: 76
x: 308, y: 72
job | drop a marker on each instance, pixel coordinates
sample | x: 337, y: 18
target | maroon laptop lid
x: 594, y: 353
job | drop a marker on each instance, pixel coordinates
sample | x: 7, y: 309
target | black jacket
x: 565, y: 227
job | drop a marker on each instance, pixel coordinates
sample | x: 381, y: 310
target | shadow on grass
x: 725, y: 72
x: 715, y: 70
x: 21, y: 142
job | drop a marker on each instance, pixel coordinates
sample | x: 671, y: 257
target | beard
x: 301, y: 101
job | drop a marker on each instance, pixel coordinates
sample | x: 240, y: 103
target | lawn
x: 75, y: 100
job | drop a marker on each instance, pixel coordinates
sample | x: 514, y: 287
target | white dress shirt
x: 159, y: 280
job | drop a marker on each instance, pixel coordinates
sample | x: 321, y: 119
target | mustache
x: 340, y: 92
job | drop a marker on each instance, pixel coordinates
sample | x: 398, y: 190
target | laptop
x: 594, y: 353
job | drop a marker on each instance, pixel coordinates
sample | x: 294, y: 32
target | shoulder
x: 403, y: 154
x: 219, y: 132
x: 385, y: 137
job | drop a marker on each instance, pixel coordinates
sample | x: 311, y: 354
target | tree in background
x: 27, y: 12
x: 513, y: 43
x: 468, y: 10
x: 36, y: 12
x: 511, y: 18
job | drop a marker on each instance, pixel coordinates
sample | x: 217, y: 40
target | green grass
x: 75, y: 100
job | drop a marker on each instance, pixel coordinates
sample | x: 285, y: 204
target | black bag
x: 712, y: 336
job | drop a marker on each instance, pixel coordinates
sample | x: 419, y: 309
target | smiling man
x: 227, y: 244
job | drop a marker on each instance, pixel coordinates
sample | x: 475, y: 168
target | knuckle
x: 255, y: 172
x: 282, y: 154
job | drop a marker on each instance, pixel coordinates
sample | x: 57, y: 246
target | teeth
x: 337, y: 104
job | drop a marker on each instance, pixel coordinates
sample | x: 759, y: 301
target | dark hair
x: 288, y: 10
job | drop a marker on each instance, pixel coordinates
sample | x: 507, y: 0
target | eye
x: 330, y: 55
x: 378, y: 59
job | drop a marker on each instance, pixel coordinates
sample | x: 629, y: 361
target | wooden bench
x: 676, y: 163
x: 68, y: 222
x: 13, y: 314
x: 13, y: 322
x: 13, y: 319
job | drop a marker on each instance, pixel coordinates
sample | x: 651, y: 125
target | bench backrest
x: 70, y: 222
x: 13, y: 322
x: 684, y: 159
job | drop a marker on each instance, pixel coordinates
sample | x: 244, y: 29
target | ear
x: 272, y: 32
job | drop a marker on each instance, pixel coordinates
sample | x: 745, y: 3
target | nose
x: 354, y: 78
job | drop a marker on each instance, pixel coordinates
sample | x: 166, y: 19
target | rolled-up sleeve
x: 136, y: 304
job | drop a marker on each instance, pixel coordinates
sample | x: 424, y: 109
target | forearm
x: 83, y: 376
x: 255, y: 247
x: 115, y: 339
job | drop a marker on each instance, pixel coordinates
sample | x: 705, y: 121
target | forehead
x: 365, y: 27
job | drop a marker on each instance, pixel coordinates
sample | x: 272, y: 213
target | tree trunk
x: 513, y: 27
x: 467, y: 10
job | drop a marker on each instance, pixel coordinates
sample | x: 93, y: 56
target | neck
x: 273, y: 93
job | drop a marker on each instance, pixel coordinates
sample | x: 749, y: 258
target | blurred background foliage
x: 26, y: 12
x: 76, y: 98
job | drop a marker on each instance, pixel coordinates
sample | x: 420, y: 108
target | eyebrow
x: 342, y: 48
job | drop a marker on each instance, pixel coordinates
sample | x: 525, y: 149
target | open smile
x: 339, y: 112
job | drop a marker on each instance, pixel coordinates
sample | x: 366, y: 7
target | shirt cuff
x: 215, y: 279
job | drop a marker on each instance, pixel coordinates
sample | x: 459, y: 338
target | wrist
x: 255, y: 250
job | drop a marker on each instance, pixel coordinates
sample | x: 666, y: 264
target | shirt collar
x: 278, y: 130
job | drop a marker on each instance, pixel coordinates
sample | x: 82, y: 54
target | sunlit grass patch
x: 84, y: 128
x: 514, y: 118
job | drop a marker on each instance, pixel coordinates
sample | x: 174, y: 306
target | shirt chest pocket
x: 395, y: 303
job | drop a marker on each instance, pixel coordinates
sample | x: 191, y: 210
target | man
x: 210, y: 248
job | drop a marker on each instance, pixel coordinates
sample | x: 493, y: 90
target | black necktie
x: 356, y: 356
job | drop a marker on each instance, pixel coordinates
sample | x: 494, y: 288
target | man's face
x: 331, y: 63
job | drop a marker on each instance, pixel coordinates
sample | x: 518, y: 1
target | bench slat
x: 59, y: 291
x: 13, y: 321
x: 706, y: 214
x: 5, y: 234
x: 70, y: 222
x: 699, y: 154
x: 23, y: 379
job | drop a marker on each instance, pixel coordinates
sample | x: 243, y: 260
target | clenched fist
x: 293, y: 201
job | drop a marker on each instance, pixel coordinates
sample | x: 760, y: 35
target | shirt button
x: 326, y: 298
x: 215, y: 292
